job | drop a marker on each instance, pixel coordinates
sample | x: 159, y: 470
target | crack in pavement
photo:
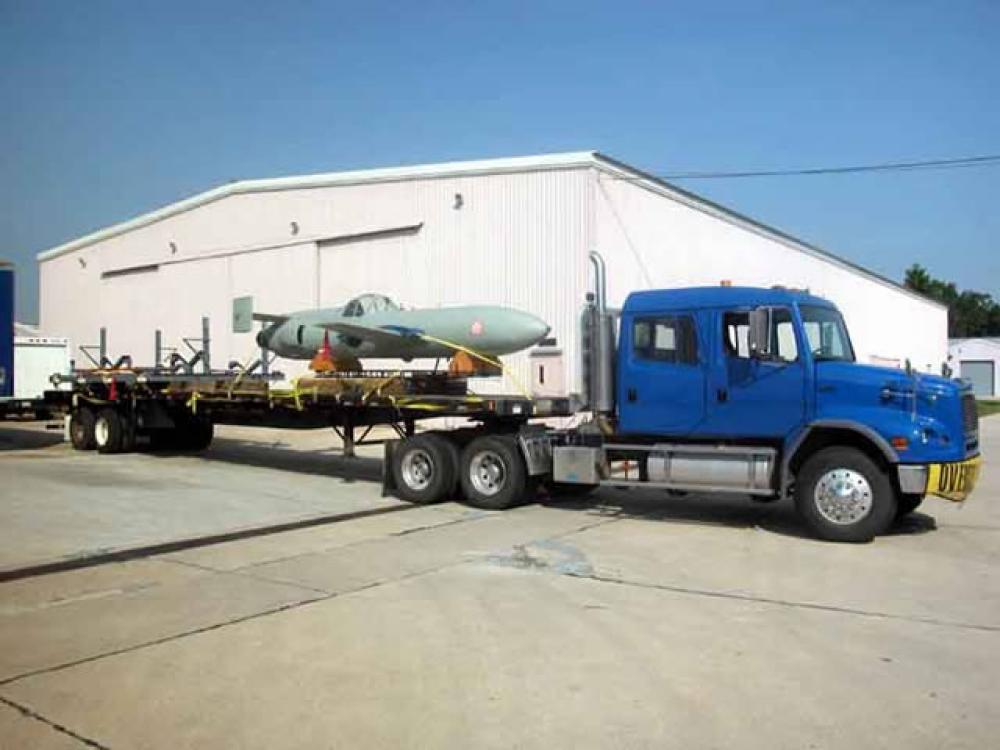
x: 226, y: 623
x: 241, y: 573
x: 323, y: 596
x: 32, y: 714
x: 769, y: 600
x: 359, y: 542
x: 523, y: 559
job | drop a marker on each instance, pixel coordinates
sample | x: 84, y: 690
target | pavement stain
x: 554, y: 555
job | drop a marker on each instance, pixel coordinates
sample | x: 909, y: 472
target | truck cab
x: 772, y: 372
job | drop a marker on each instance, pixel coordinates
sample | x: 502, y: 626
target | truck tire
x: 81, y: 429
x: 907, y: 503
x: 493, y: 474
x: 423, y: 469
x: 129, y: 433
x: 196, y: 433
x: 844, y: 496
x: 108, y: 431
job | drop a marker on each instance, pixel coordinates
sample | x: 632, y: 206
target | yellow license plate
x: 954, y: 481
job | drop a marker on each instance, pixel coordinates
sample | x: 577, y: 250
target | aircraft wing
x: 390, y: 335
x: 268, y: 318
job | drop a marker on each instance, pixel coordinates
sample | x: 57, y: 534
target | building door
x: 981, y: 373
x: 662, y: 387
x: 750, y: 397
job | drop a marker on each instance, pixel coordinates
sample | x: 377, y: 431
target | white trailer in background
x: 36, y: 359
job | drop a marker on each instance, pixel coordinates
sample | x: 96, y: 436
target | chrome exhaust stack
x: 598, y: 344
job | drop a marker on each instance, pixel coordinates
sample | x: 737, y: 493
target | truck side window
x: 783, y: 335
x: 666, y: 339
x: 736, y: 334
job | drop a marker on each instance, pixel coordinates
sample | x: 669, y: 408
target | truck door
x: 661, y: 387
x: 752, y: 396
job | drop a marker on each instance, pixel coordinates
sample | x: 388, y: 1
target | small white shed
x: 978, y: 361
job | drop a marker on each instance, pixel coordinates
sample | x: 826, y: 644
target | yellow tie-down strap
x: 954, y: 481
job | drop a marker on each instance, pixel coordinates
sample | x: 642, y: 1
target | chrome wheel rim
x: 101, y: 432
x: 843, y: 496
x: 487, y: 473
x: 417, y: 469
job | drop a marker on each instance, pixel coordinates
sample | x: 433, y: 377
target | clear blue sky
x: 110, y: 109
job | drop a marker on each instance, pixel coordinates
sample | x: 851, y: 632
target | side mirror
x: 759, y: 335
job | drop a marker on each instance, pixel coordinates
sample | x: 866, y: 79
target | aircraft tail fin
x: 244, y: 315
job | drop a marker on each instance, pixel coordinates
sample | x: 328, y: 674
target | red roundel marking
x: 477, y: 328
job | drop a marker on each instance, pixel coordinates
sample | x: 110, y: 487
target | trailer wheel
x: 129, y: 433
x: 108, y: 431
x: 844, y: 496
x: 493, y: 473
x: 81, y: 429
x: 423, y: 468
x: 197, y: 433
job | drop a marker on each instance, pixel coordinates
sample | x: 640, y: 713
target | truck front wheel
x: 907, y: 503
x: 493, y: 473
x: 844, y: 496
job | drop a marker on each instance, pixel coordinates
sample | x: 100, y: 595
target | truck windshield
x: 826, y: 333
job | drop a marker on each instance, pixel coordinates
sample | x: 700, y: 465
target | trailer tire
x: 108, y: 431
x: 493, y: 474
x: 423, y: 469
x: 842, y: 495
x: 81, y: 429
x: 197, y: 432
x: 129, y: 433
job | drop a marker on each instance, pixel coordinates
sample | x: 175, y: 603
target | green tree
x: 970, y: 313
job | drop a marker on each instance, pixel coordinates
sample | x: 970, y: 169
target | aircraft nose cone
x: 539, y: 328
x: 531, y: 329
x: 264, y: 337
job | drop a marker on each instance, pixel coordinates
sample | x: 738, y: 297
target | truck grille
x: 970, y: 421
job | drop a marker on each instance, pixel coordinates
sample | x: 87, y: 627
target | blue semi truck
x: 723, y: 389
x: 710, y: 390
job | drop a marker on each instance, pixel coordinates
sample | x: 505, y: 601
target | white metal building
x: 514, y: 232
x: 978, y: 361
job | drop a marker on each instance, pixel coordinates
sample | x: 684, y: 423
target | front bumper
x: 953, y: 481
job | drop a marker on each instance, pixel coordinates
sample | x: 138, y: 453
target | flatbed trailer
x: 120, y: 409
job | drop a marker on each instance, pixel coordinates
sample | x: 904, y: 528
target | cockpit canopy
x: 366, y: 304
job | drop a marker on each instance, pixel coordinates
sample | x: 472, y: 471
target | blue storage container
x: 6, y: 329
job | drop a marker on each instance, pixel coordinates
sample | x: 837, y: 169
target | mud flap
x: 388, y: 482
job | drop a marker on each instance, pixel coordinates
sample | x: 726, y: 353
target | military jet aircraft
x: 373, y: 325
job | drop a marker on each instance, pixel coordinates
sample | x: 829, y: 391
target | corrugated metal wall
x: 518, y: 239
x: 509, y: 239
x: 652, y: 241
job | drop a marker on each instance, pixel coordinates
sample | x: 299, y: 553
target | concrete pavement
x: 58, y: 504
x: 629, y: 621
